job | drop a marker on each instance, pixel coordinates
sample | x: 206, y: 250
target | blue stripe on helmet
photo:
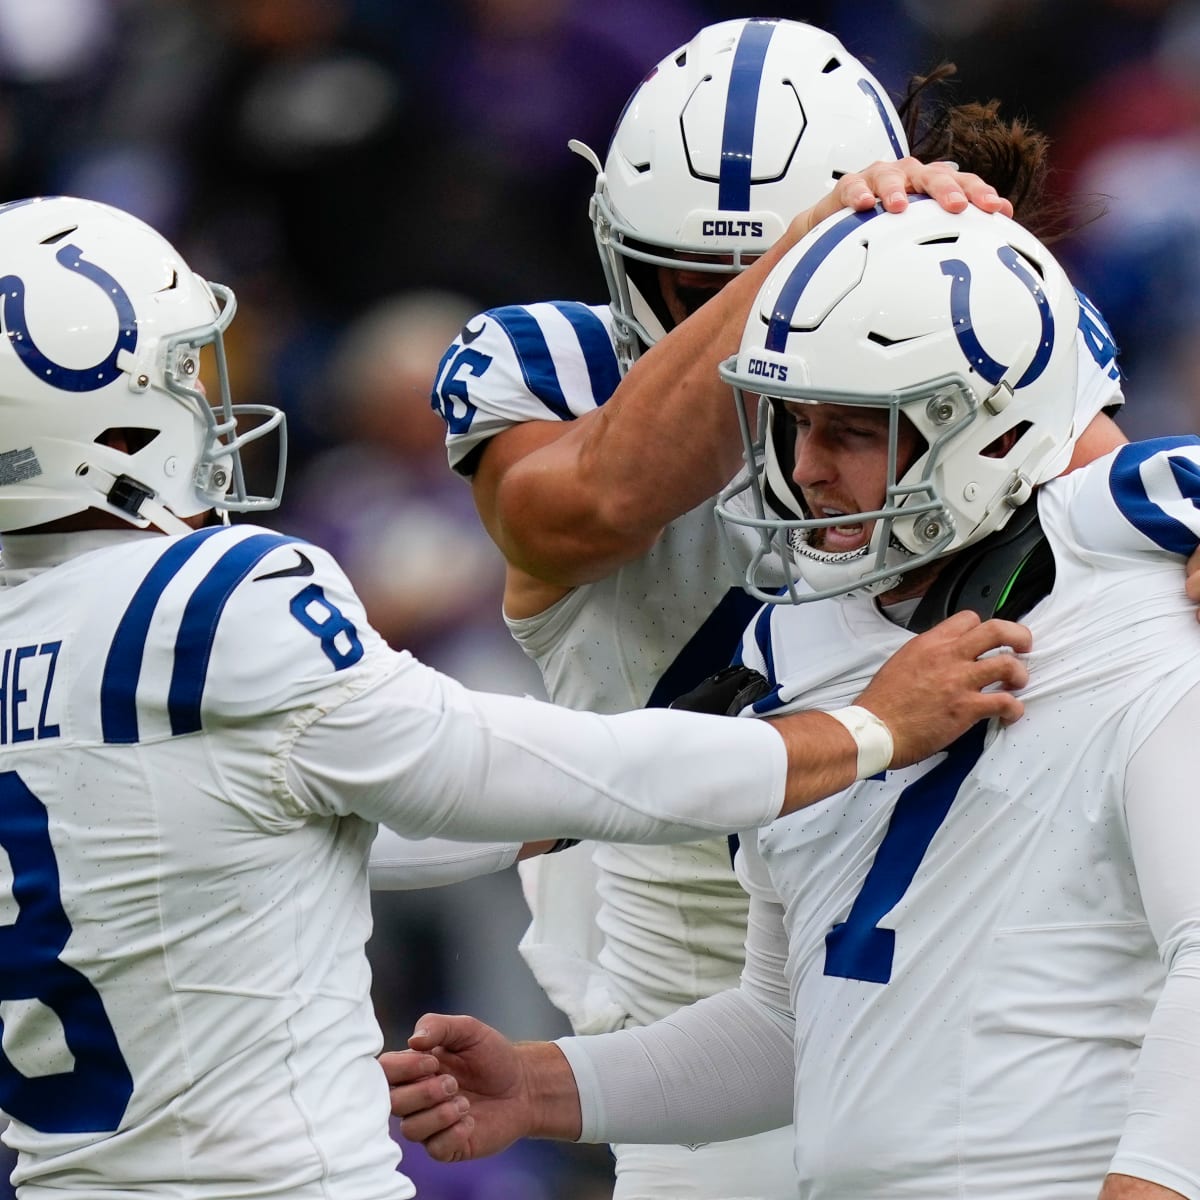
x: 741, y: 108
x: 789, y: 295
x: 802, y: 273
x: 866, y: 86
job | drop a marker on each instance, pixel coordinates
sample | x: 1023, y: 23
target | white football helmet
x: 726, y: 140
x: 104, y: 324
x: 964, y: 325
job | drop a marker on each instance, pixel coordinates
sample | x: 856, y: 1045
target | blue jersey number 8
x: 335, y: 631
x: 93, y: 1095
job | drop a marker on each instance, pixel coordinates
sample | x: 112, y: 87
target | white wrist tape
x: 871, y: 735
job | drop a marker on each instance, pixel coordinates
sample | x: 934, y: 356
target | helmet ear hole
x: 129, y: 440
x: 1006, y: 441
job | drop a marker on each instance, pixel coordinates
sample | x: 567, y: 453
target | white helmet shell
x: 720, y: 146
x: 962, y: 324
x: 104, y: 325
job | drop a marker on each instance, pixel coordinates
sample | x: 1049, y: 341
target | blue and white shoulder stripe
x: 226, y: 618
x: 539, y: 362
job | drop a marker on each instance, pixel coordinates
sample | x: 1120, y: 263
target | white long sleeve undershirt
x: 429, y: 758
x: 723, y: 1067
x: 400, y: 864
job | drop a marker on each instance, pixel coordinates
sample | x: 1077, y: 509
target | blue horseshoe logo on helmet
x: 69, y: 379
x: 964, y: 329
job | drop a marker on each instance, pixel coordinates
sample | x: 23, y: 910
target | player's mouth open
x: 837, y: 538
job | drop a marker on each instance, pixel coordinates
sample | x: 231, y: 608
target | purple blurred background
x: 367, y: 173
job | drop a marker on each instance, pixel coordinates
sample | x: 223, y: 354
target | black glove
x: 726, y: 693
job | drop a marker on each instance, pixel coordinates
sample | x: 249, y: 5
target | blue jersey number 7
x: 857, y: 948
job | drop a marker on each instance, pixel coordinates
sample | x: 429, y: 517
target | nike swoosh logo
x: 303, y: 567
x: 468, y: 334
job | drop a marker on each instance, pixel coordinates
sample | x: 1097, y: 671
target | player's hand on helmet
x: 891, y: 183
x: 464, y: 1090
x: 932, y: 689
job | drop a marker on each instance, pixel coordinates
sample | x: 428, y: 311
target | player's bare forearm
x: 465, y: 1091
x: 673, y: 398
x: 927, y: 694
x: 1126, y: 1187
x: 570, y: 506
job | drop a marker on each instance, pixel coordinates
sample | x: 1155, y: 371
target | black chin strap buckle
x: 128, y: 495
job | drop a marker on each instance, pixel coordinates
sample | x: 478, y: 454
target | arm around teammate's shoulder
x: 568, y: 502
x: 931, y: 691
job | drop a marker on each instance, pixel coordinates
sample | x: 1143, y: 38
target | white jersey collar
x: 23, y: 555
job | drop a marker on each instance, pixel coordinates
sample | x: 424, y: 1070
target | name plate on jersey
x: 29, y: 705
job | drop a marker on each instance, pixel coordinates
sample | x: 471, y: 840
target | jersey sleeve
x: 429, y: 758
x: 268, y: 635
x: 552, y: 361
x: 720, y: 1068
x: 290, y: 638
x: 1140, y: 501
x: 1159, y: 1142
x: 401, y: 864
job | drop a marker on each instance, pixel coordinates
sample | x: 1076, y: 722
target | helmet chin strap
x: 823, y: 569
x: 135, y: 502
x: 1003, y: 575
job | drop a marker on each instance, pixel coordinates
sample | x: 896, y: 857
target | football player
x: 596, y: 438
x: 976, y: 976
x: 199, y: 732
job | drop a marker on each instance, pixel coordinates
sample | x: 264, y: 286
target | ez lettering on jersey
x: 27, y: 697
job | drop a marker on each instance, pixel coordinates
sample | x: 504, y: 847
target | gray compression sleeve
x: 719, y: 1069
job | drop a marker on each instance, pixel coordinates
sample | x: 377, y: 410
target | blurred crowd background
x: 366, y: 174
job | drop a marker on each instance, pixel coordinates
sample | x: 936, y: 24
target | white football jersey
x: 639, y: 931
x: 198, y: 737
x: 673, y: 918
x: 969, y: 957
x: 184, y: 990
